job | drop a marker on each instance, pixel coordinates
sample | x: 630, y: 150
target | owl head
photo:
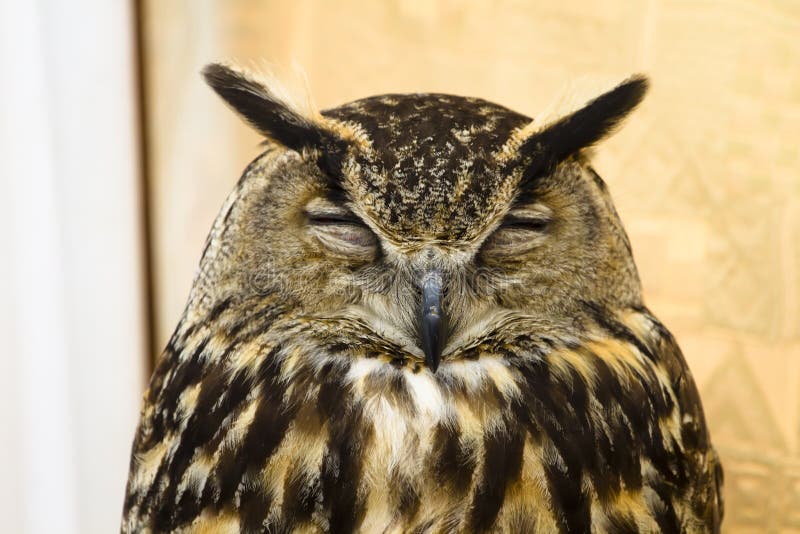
x: 430, y: 222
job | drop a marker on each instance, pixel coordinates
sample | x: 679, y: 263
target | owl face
x: 431, y: 220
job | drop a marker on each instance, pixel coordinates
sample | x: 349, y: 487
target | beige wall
x: 705, y: 175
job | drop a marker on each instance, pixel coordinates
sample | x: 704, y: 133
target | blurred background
x: 114, y: 158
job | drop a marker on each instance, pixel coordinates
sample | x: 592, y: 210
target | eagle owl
x: 420, y: 313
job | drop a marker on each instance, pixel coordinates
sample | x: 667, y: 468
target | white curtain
x: 71, y: 293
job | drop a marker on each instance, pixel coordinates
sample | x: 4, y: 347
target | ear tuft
x: 554, y: 141
x: 268, y: 110
x: 595, y: 120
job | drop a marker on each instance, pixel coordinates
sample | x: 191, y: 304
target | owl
x: 420, y: 313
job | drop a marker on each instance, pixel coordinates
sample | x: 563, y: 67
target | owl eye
x: 334, y: 218
x: 521, y: 231
x: 531, y: 224
x: 342, y: 232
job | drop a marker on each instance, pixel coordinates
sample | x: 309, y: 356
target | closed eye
x: 334, y: 218
x: 340, y: 231
x: 521, y: 230
x: 534, y: 224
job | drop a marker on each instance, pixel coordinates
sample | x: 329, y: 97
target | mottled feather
x: 293, y: 395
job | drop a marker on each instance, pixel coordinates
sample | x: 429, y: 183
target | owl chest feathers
x: 542, y: 433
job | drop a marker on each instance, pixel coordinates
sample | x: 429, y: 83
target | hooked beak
x: 433, y: 323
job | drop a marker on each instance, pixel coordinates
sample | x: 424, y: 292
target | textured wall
x: 705, y: 175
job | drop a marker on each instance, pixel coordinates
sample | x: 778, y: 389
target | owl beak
x: 433, y: 322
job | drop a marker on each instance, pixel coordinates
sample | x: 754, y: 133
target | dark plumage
x: 420, y: 313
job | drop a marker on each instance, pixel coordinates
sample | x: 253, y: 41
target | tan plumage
x: 307, y: 388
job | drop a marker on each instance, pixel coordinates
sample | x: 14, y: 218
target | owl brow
x: 524, y: 198
x: 332, y: 208
x: 330, y: 161
x: 329, y: 214
x: 335, y: 193
x: 534, y: 210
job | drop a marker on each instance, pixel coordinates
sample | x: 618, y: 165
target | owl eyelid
x: 537, y: 224
x: 340, y: 230
x: 535, y: 217
x: 323, y: 211
x: 346, y: 238
x: 335, y: 218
